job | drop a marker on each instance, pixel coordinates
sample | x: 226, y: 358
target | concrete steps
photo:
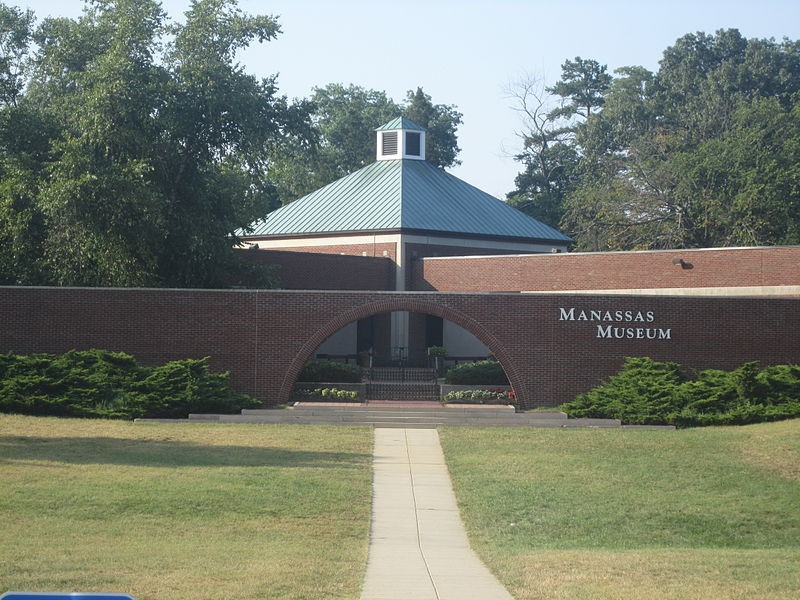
x: 476, y: 416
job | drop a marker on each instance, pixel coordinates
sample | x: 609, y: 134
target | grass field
x: 633, y: 514
x: 175, y: 512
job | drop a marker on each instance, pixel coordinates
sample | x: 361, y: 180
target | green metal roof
x: 401, y: 123
x: 394, y: 195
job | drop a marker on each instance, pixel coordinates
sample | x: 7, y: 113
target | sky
x: 468, y: 53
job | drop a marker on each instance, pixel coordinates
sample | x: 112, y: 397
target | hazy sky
x: 467, y: 52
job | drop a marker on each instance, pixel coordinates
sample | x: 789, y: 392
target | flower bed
x: 327, y: 394
x: 478, y: 395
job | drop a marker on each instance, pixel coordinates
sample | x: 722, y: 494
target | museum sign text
x: 619, y: 324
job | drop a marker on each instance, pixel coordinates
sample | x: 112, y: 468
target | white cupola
x: 401, y: 139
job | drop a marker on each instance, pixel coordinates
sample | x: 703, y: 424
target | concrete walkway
x: 418, y: 547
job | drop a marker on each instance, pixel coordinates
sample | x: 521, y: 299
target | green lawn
x: 173, y: 512
x: 630, y: 514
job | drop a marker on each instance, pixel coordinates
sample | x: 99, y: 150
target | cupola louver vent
x: 389, y: 143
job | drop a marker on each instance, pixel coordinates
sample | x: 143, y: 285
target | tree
x: 548, y: 156
x: 23, y: 144
x: 701, y: 153
x: 16, y: 31
x: 582, y: 85
x: 441, y: 122
x: 154, y: 153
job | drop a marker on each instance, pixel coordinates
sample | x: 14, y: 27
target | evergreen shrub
x: 98, y: 383
x: 484, y: 372
x: 330, y: 371
x: 650, y: 392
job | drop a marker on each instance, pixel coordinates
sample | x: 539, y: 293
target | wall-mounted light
x: 682, y: 263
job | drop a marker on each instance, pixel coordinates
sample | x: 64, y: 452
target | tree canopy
x: 132, y: 147
x: 704, y: 152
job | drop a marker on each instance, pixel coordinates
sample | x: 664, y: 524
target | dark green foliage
x: 133, y: 148
x: 643, y: 392
x: 649, y: 392
x: 186, y: 386
x: 745, y: 395
x: 97, y: 383
x: 484, y: 372
x: 701, y: 153
x: 330, y: 371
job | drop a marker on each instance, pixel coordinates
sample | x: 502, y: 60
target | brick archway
x: 389, y: 305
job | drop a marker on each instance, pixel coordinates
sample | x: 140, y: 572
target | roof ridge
x: 401, y: 122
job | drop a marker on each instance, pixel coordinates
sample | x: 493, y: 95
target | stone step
x: 411, y: 419
x: 467, y: 412
x: 439, y: 413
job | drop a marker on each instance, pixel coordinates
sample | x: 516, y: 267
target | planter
x: 299, y: 388
x: 446, y: 389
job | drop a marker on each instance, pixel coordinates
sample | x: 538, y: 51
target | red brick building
x: 400, y: 224
x: 395, y: 211
x: 473, y: 279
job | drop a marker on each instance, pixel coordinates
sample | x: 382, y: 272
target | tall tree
x: 701, y: 153
x: 441, y: 122
x: 16, y: 31
x: 548, y: 156
x: 583, y: 85
x: 155, y: 152
x: 23, y: 145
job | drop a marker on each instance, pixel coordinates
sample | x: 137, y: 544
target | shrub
x: 484, y: 372
x: 642, y: 393
x: 437, y: 351
x: 649, y: 392
x: 180, y: 387
x: 745, y: 395
x: 97, y: 383
x: 330, y: 371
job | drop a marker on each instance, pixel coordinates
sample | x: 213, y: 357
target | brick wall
x: 552, y: 346
x: 606, y: 271
x: 317, y: 271
x: 416, y: 252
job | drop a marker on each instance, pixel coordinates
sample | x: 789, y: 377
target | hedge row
x: 97, y: 383
x: 329, y: 371
x: 647, y: 392
x: 484, y: 372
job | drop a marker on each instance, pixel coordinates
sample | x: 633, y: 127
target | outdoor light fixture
x: 682, y: 263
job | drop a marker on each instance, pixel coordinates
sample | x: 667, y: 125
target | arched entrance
x: 427, y: 320
x: 369, y: 342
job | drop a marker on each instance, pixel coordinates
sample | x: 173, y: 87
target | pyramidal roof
x: 403, y: 195
x: 401, y: 123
